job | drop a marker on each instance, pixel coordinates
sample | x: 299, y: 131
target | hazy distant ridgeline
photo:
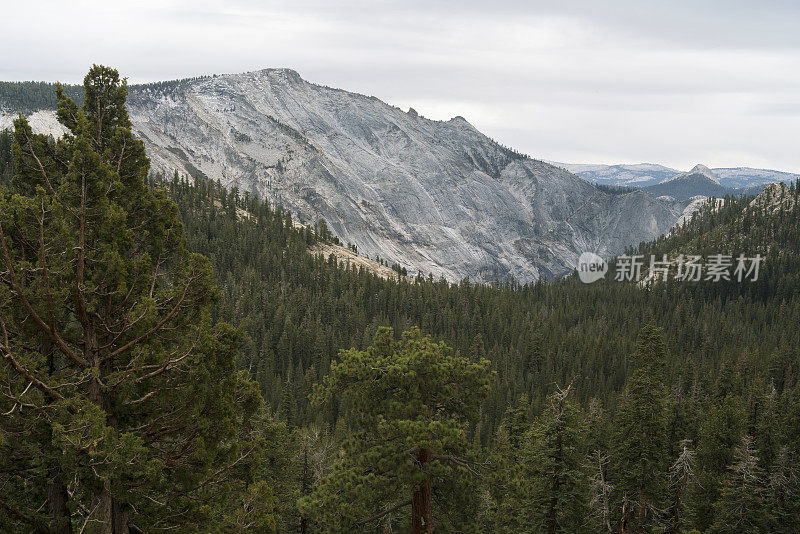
x: 642, y: 175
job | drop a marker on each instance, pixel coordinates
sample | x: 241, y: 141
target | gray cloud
x: 617, y: 81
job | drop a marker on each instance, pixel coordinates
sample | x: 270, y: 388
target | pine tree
x: 553, y: 468
x: 124, y: 392
x: 741, y: 507
x: 682, y: 478
x: 6, y: 163
x: 410, y: 403
x: 506, y: 490
x: 639, y: 467
x: 783, y: 487
x: 315, y: 456
x: 600, y: 492
x: 720, y: 433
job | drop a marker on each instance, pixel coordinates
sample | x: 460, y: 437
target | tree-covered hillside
x: 535, y: 334
x: 27, y: 97
x: 726, y: 344
x: 767, y: 225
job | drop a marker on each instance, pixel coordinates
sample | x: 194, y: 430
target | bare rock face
x: 435, y: 196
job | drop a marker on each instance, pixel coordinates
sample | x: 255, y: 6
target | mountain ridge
x: 700, y: 181
x: 647, y: 174
x: 698, y: 169
x: 431, y: 195
x: 437, y: 197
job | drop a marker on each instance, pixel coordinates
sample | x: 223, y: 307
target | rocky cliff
x: 435, y: 196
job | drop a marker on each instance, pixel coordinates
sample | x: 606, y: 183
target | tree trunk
x: 112, y: 515
x: 552, y: 519
x: 624, y: 527
x: 676, y: 518
x: 421, y: 510
x: 57, y: 501
x: 119, y: 517
x: 642, y: 512
x: 104, y: 510
x: 56, y: 489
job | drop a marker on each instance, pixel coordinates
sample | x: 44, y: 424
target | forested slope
x: 535, y: 334
x: 27, y: 97
x: 730, y: 346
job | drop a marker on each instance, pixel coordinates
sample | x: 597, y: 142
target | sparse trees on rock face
x: 409, y: 403
x: 119, y: 397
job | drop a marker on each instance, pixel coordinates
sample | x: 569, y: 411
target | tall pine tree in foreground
x: 120, y: 400
x: 409, y: 404
x: 720, y: 433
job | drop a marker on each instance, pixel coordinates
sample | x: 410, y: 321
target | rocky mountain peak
x: 697, y: 170
x: 773, y: 198
x: 290, y: 76
x: 433, y: 196
x: 704, y: 171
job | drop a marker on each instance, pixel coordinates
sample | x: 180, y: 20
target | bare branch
x: 9, y: 357
x: 466, y: 464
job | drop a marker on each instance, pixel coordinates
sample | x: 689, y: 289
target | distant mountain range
x: 700, y: 181
x: 643, y: 175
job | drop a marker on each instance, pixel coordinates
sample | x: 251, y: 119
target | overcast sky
x: 677, y: 83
